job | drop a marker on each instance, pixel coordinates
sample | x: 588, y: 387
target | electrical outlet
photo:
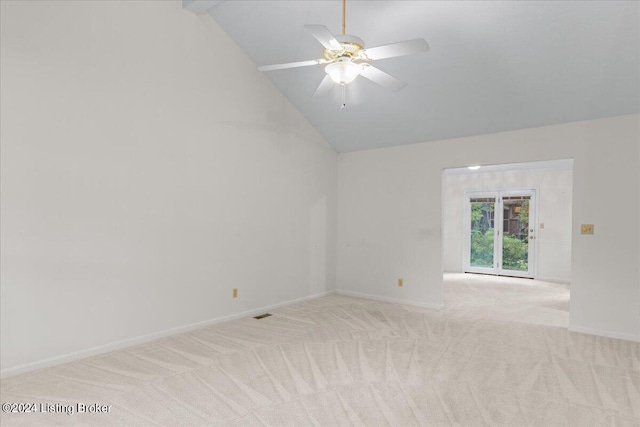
x: 586, y: 229
x: 235, y: 293
x: 400, y: 283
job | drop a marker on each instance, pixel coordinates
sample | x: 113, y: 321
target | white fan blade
x: 291, y: 65
x: 325, y: 86
x: 382, y: 78
x: 408, y: 47
x: 324, y: 36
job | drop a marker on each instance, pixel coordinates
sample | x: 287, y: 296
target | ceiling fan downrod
x: 344, y: 17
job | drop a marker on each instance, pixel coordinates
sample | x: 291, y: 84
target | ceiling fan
x: 346, y: 58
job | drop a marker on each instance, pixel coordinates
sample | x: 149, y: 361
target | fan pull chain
x: 344, y: 101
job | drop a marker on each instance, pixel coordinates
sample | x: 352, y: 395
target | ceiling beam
x: 199, y: 6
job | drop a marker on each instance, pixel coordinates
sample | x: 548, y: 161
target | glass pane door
x: 499, y: 233
x: 482, y: 232
x: 481, y: 238
x: 517, y: 237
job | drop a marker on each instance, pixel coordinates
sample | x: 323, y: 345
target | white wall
x: 553, y: 207
x: 147, y: 169
x: 390, y: 215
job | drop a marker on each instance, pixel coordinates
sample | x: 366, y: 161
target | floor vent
x: 262, y: 316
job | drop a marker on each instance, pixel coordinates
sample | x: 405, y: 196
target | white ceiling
x: 493, y: 66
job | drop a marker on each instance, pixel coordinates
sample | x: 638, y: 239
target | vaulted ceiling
x: 493, y: 66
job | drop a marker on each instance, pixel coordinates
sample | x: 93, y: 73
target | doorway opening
x: 511, y: 220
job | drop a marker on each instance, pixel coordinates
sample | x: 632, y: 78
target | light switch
x: 586, y: 229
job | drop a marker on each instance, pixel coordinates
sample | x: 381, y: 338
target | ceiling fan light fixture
x: 343, y: 71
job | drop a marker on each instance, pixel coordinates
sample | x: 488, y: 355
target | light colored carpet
x: 499, y: 354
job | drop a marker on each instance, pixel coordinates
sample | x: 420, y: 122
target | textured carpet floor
x: 499, y: 354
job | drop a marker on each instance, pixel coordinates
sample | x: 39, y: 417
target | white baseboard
x: 388, y: 299
x: 553, y: 280
x: 93, y: 351
x: 601, y: 333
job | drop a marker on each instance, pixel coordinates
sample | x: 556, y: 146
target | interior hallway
x: 498, y: 354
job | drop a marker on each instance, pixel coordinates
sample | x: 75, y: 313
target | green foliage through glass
x: 482, y: 215
x: 514, y: 251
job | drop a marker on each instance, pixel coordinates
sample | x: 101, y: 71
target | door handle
x: 531, y: 237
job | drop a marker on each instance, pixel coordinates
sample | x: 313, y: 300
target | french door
x: 499, y: 232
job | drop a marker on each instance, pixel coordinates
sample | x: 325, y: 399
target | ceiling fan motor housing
x: 351, y: 47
